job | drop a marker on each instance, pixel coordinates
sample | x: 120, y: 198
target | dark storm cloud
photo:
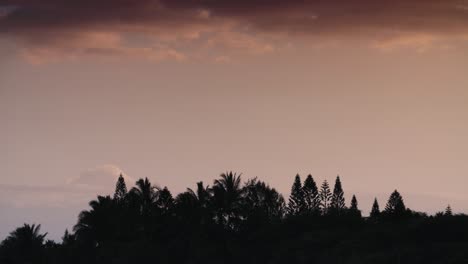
x: 297, y: 16
x: 57, y: 28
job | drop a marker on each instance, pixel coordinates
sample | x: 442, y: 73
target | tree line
x: 232, y: 221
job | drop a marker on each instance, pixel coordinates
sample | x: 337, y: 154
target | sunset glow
x: 180, y: 91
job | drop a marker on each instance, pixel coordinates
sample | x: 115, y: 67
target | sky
x: 181, y: 91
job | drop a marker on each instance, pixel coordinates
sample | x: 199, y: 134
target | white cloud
x: 37, y: 203
x: 101, y: 176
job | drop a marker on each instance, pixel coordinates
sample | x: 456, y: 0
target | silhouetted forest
x: 244, y: 222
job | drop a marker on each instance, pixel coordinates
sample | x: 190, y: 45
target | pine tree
x: 311, y: 195
x: 296, y: 204
x: 120, y: 189
x: 375, y: 212
x: 353, y: 209
x: 448, y: 211
x: 338, y: 200
x: 325, y: 196
x: 395, y: 205
x: 354, y: 204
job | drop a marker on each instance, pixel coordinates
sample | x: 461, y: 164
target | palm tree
x: 96, y: 225
x: 227, y: 194
x: 23, y: 245
x: 145, y: 194
x: 143, y: 198
x: 191, y: 205
x: 202, y: 195
x: 28, y: 234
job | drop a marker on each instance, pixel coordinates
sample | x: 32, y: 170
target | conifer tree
x: 448, y: 211
x: 375, y: 212
x: 354, y: 204
x: 296, y: 204
x: 311, y: 195
x: 338, y: 200
x: 395, y: 205
x: 353, y: 209
x: 325, y: 196
x: 120, y: 189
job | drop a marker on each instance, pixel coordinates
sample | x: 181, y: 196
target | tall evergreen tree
x: 354, y: 204
x: 325, y: 196
x: 311, y: 195
x: 353, y: 209
x: 395, y: 205
x: 296, y: 204
x: 338, y: 200
x: 375, y: 212
x: 120, y: 189
x: 448, y: 211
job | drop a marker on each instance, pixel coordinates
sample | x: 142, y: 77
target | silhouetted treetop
x: 448, y: 210
x: 395, y: 205
x: 120, y: 189
x: 145, y: 193
x: 202, y: 194
x: 325, y: 196
x: 353, y: 209
x: 243, y: 222
x: 375, y: 211
x: 354, y: 204
x: 311, y: 195
x: 24, y: 245
x: 337, y: 199
x: 261, y: 204
x: 68, y: 238
x: 297, y: 203
x: 227, y: 194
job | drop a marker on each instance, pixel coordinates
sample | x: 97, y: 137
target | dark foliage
x: 375, y: 211
x: 297, y: 203
x: 311, y: 196
x: 232, y: 222
x: 23, y: 245
x: 353, y: 209
x: 448, y: 211
x: 325, y: 197
x: 120, y: 189
x: 395, y: 207
x: 337, y: 204
x: 354, y: 204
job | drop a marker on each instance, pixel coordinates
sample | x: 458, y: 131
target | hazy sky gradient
x: 182, y: 98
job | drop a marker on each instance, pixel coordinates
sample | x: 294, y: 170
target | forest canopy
x: 233, y: 221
